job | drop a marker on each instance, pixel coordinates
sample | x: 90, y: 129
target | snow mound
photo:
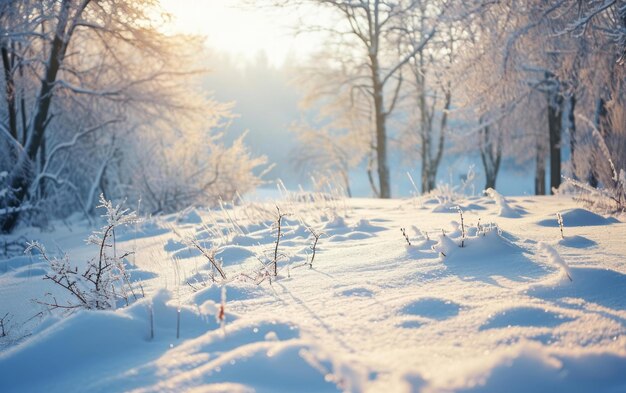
x: 214, y: 293
x: 30, y: 271
x: 432, y: 308
x: 148, y: 228
x: 260, y: 356
x: 191, y: 251
x: 524, y: 317
x: 350, y: 236
x: 577, y: 242
x: 79, y: 343
x: 189, y: 216
x: 445, y: 207
x: 232, y: 255
x: 72, y: 343
x: 261, y: 367
x: 365, y: 226
x: 242, y: 333
x: 336, y: 225
x: 17, y: 262
x: 173, y: 245
x: 601, y: 286
x: 336, y: 222
x: 355, y: 291
x: 247, y: 240
x: 577, y: 218
x: 530, y: 367
x: 140, y: 275
x: 505, y: 209
x: 486, y: 256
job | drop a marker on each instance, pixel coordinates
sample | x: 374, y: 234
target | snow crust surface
x: 372, y: 314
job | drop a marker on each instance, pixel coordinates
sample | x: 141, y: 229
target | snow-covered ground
x: 517, y: 309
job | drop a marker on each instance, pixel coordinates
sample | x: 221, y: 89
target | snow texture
x: 371, y: 314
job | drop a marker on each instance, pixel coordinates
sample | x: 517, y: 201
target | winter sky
x: 242, y: 28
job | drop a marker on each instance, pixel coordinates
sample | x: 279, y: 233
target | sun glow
x: 239, y: 28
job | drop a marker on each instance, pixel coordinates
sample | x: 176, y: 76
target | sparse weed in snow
x: 559, y: 219
x: 458, y: 208
x: 279, y: 219
x: 316, y: 238
x: 479, y: 228
x: 406, y: 237
x: 448, y: 243
x: 209, y: 254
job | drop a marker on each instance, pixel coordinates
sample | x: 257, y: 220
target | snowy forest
x: 97, y: 100
x: 428, y: 176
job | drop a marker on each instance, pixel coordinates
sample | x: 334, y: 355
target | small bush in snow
x: 610, y: 194
x: 103, y: 280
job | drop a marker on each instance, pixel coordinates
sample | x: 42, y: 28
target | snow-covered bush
x: 103, y: 280
x: 197, y: 170
x: 610, y: 193
x: 128, y: 118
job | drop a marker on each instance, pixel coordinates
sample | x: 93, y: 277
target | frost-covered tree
x: 429, y: 40
x: 512, y: 58
x: 365, y: 63
x: 89, y: 88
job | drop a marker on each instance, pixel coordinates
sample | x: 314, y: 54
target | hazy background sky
x: 243, y: 28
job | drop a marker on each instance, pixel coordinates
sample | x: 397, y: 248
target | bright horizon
x: 241, y: 30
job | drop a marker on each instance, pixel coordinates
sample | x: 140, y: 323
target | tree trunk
x: 42, y: 164
x: 425, y: 128
x: 436, y: 160
x: 491, y: 159
x: 10, y: 91
x: 555, y: 115
x: 600, y: 124
x: 346, y: 181
x: 21, y: 176
x: 381, y: 132
x: 540, y: 171
x: 425, y: 187
x: 370, y: 176
x: 572, y: 133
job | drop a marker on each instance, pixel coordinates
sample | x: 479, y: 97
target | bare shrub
x: 103, y: 280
